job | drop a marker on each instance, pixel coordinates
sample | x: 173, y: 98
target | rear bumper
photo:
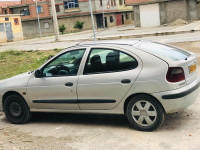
x: 177, y: 100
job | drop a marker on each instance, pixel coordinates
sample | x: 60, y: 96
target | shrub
x: 62, y: 28
x: 78, y: 25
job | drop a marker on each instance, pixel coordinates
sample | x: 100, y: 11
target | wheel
x: 16, y: 109
x: 145, y: 113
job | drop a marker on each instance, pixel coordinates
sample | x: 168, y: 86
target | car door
x: 56, y: 88
x: 107, y: 76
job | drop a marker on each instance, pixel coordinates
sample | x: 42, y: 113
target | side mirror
x: 50, y: 56
x: 38, y: 73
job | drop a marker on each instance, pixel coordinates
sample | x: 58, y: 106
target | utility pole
x: 91, y: 12
x: 103, y: 16
x: 55, y: 20
x: 38, y: 19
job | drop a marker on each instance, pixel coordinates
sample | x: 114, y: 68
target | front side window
x: 68, y: 4
x: 108, y: 60
x: 66, y: 64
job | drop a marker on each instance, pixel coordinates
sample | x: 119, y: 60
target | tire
x: 145, y: 113
x: 16, y: 109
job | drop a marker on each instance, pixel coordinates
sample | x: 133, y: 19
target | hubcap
x: 15, y: 109
x: 144, y: 113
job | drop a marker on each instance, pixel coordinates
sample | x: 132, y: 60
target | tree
x: 62, y: 28
x: 79, y: 25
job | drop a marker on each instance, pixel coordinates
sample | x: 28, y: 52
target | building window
x: 101, y: 3
x: 113, y: 3
x: 57, y: 8
x: 111, y: 19
x: 127, y: 16
x: 6, y: 19
x: 132, y: 15
x: 39, y: 9
x: 46, y: 25
x: 5, y: 12
x: 2, y: 27
x: 71, y: 4
x: 25, y: 12
x: 120, y: 2
x: 108, y: 4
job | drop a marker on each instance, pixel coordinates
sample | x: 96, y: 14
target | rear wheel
x: 145, y: 113
x: 16, y: 109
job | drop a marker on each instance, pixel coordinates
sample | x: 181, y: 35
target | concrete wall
x: 83, y: 8
x: 170, y: 10
x: 104, y: 6
x: 193, y: 12
x: 123, y: 7
x: 69, y: 22
x: 130, y: 19
x: 176, y: 10
x: 137, y: 15
x: 31, y: 27
x: 18, y: 10
x: 3, y: 37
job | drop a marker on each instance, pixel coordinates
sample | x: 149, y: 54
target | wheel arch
x: 137, y: 94
x: 8, y: 93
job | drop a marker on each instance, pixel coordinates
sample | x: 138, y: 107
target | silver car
x: 142, y: 79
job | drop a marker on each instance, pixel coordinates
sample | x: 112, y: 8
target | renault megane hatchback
x: 142, y: 79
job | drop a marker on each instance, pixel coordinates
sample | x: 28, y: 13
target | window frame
x: 25, y: 12
x: 101, y: 3
x: 39, y: 9
x: 111, y: 19
x: 57, y: 8
x: 58, y: 55
x: 66, y: 7
x: 108, y: 48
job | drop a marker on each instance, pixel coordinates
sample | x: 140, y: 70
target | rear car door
x: 107, y: 76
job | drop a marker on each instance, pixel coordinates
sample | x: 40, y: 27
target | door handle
x: 69, y: 84
x: 125, y: 81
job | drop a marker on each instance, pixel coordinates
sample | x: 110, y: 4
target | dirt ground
x: 50, y: 131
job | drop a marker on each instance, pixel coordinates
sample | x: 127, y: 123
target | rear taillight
x: 175, y: 74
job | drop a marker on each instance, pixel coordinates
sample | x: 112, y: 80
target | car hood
x: 20, y: 80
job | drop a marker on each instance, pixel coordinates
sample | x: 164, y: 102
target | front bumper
x: 177, y: 100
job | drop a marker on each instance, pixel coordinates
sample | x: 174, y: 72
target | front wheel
x: 145, y: 113
x: 16, y: 109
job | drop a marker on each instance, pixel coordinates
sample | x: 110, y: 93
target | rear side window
x: 126, y: 62
x: 165, y: 51
x: 108, y: 60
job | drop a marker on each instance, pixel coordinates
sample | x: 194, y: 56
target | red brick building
x: 28, y: 9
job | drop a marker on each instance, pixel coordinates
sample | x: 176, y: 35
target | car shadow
x: 81, y: 119
x: 172, y: 122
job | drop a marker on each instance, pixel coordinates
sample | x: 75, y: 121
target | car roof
x: 113, y: 42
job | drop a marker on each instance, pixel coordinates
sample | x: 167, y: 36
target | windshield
x: 169, y: 52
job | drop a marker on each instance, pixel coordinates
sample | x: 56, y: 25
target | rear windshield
x: 165, y: 51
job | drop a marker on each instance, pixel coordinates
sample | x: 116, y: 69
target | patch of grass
x: 16, y: 62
